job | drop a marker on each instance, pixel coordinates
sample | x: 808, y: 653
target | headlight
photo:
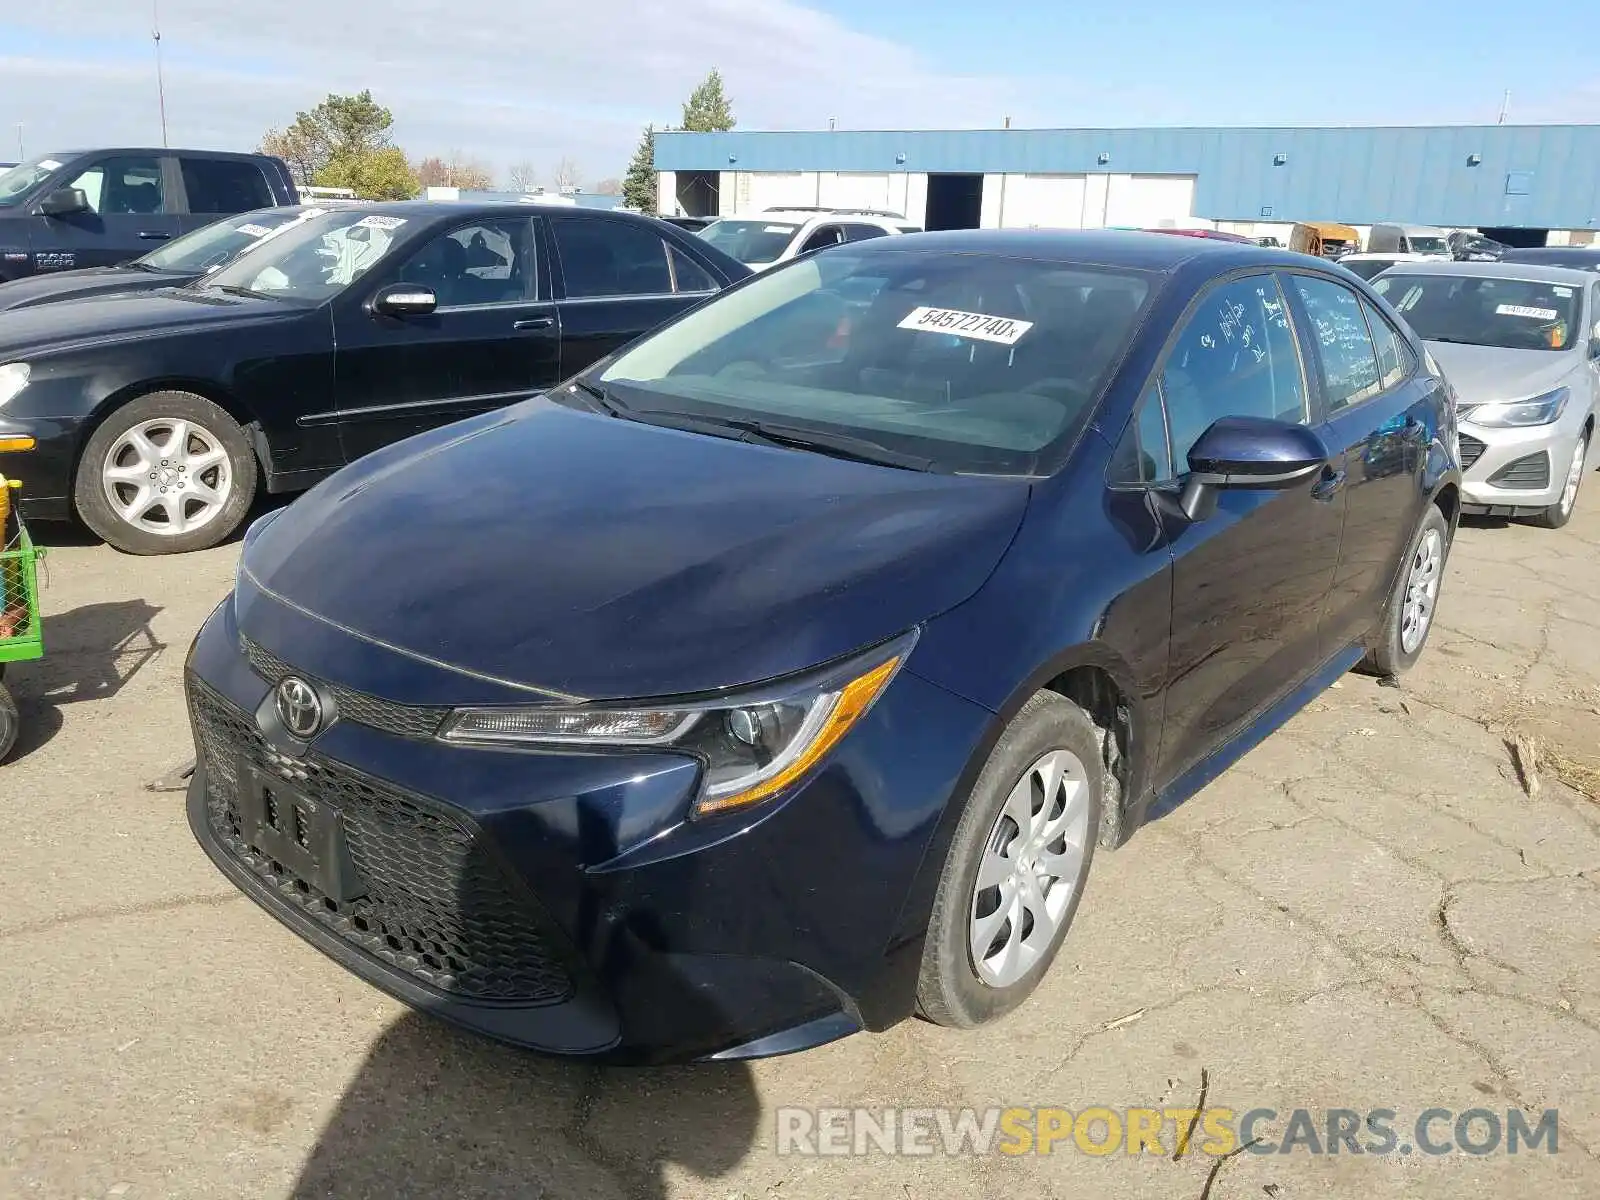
x: 13, y: 378
x: 752, y: 746
x: 1513, y: 414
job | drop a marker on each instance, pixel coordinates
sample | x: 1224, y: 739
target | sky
x: 538, y: 80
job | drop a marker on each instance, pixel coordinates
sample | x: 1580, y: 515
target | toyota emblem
x: 299, y: 708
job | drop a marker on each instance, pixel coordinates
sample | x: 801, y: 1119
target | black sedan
x: 155, y: 416
x: 180, y: 261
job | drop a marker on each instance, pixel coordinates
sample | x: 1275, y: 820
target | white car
x: 764, y: 239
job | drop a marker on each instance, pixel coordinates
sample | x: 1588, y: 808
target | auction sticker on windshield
x: 982, y: 326
x: 381, y: 222
x: 1523, y: 310
x: 255, y: 231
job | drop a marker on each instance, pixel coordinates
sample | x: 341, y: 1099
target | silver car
x: 1520, y: 342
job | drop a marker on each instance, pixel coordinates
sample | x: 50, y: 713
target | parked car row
x: 640, y: 587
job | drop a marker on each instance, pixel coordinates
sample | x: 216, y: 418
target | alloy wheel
x: 1029, y: 872
x: 1422, y: 590
x: 167, y: 476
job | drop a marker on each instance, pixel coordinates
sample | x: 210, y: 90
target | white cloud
x: 504, y: 82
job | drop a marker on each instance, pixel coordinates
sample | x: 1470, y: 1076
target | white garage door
x: 1149, y: 201
x: 855, y: 191
x: 775, y: 189
x: 1042, y: 202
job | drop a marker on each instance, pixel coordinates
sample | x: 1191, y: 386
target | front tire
x: 1559, y: 513
x: 1016, y: 866
x: 1408, y: 618
x: 166, y: 473
x: 10, y: 722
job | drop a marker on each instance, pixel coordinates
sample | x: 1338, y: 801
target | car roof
x: 81, y: 150
x: 1529, y: 272
x: 1552, y: 254
x: 1092, y: 247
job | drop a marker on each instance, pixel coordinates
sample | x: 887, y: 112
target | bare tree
x: 469, y: 174
x: 523, y: 176
x: 432, y: 172
x: 565, y: 175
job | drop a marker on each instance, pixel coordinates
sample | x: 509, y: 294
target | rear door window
x: 821, y: 238
x: 224, y: 185
x: 860, y: 233
x: 1343, y: 343
x: 126, y: 184
x: 611, y: 258
x: 688, y: 275
x: 1393, y: 360
x: 1235, y: 357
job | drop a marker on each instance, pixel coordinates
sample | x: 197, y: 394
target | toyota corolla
x: 778, y: 676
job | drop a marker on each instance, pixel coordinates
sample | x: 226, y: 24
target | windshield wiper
x: 232, y: 289
x: 766, y: 433
x: 601, y: 399
x: 1455, y: 341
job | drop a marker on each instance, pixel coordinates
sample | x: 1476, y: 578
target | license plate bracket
x: 304, y: 834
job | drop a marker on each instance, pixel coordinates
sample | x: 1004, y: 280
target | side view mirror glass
x: 1249, y: 453
x: 405, y: 300
x: 63, y: 202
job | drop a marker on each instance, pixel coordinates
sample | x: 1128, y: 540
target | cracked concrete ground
x: 1367, y: 912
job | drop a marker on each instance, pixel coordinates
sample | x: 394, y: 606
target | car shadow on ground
x: 90, y: 653
x: 437, y: 1112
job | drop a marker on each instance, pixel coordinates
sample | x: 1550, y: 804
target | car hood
x: 1481, y: 374
x: 596, y: 557
x: 92, y: 281
x: 104, y: 320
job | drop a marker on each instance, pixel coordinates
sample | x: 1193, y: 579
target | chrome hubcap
x: 1029, y: 870
x: 1422, y: 590
x: 167, y: 476
x: 1569, y: 493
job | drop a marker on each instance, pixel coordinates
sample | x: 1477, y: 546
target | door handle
x: 534, y: 323
x: 153, y: 235
x: 1328, y: 486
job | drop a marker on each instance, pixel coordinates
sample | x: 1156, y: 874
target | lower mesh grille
x: 435, y: 907
x: 1471, y: 450
x: 1531, y: 473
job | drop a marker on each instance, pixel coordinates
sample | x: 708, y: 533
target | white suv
x: 764, y: 239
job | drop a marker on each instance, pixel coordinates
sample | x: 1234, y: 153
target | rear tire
x: 166, y: 473
x: 1559, y: 513
x: 1415, y: 598
x: 1033, y: 812
x: 10, y: 722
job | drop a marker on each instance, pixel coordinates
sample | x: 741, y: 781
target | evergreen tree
x: 708, y: 109
x: 639, y: 185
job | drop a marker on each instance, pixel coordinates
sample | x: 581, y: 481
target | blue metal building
x: 1534, y: 177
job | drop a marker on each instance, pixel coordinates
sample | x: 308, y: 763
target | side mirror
x: 405, y: 300
x: 1594, y: 347
x: 64, y: 202
x: 1254, y: 453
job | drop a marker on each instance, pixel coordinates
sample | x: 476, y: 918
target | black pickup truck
x: 95, y: 208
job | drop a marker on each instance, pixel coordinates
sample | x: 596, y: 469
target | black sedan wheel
x: 164, y: 474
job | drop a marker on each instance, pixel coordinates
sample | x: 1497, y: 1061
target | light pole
x: 161, y: 85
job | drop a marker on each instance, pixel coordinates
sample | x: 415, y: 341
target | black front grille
x: 1471, y: 450
x: 404, y: 720
x: 1530, y: 473
x: 435, y: 907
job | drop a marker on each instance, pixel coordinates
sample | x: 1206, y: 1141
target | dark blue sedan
x: 778, y: 676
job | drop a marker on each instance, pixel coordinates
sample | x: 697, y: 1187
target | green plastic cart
x: 20, y: 635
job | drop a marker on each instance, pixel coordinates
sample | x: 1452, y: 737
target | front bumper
x: 565, y: 902
x: 1510, y: 472
x: 46, y: 470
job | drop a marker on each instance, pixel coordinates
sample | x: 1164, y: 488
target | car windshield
x: 314, y: 259
x: 1428, y: 245
x: 753, y: 243
x: 970, y: 363
x: 1513, y: 314
x: 18, y: 181
x: 218, y: 243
